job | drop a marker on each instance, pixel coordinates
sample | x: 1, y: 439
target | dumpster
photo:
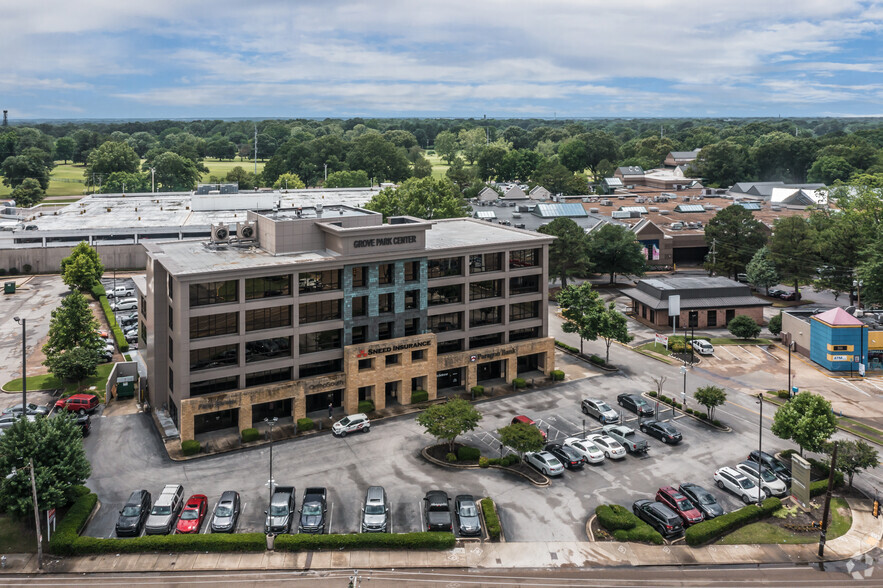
x: 125, y: 387
x: 9, y: 288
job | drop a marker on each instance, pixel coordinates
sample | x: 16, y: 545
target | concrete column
x: 351, y: 399
x: 432, y: 385
x: 245, y: 414
x: 405, y: 392
x: 379, y: 395
x: 298, y: 405
x: 185, y: 418
x: 471, y: 375
x: 511, y: 369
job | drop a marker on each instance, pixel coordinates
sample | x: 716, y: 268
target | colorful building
x: 838, y: 340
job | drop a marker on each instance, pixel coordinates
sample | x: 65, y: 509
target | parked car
x: 658, y: 516
x: 226, y: 513
x: 124, y: 304
x: 743, y: 278
x: 680, y: 504
x: 788, y: 296
x: 133, y: 514
x: 736, y: 482
x: 437, y: 511
x: 79, y: 403
x: 545, y: 462
x: 778, y: 468
x: 611, y: 447
x: 132, y: 337
x: 600, y: 410
x: 32, y: 409
x: 775, y: 293
x: 591, y: 453
x: 568, y: 456
x: 468, y: 522
x: 7, y: 420
x: 375, y: 511
x: 636, y: 404
x: 313, y: 509
x: 702, y: 499
x: 121, y: 292
x: 665, y: 432
x: 527, y: 421
x: 165, y: 510
x: 350, y: 424
x: 769, y: 483
x: 279, y: 513
x: 627, y: 438
x: 192, y: 515
x: 702, y: 347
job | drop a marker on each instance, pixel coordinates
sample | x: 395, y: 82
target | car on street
x: 280, y: 512
x: 612, y: 448
x: 468, y: 523
x: 770, y: 484
x: 600, y: 410
x: 7, y: 420
x: 778, y: 468
x: 775, y: 293
x: 133, y: 514
x: 702, y: 499
x: 350, y: 424
x: 636, y: 404
x: 165, y: 510
x: 124, y: 304
x: 192, y: 515
x: 702, y: 347
x: 545, y: 462
x: 78, y: 403
x: 788, y: 296
x: 437, y: 511
x: 313, y: 509
x: 680, y: 504
x: 375, y: 511
x: 32, y: 409
x: 226, y: 513
x: 568, y: 456
x: 627, y: 438
x: 591, y: 453
x: 737, y: 483
x: 658, y: 516
x: 661, y: 430
x: 524, y: 420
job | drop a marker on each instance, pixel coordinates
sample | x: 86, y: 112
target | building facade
x: 331, y: 306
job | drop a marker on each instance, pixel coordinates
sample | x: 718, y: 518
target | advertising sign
x: 800, y: 479
x: 662, y: 340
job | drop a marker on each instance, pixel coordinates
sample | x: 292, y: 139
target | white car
x: 772, y: 485
x: 738, y: 484
x: 702, y: 347
x: 591, y: 453
x: 124, y: 304
x: 351, y: 424
x: 612, y: 448
x: 545, y: 462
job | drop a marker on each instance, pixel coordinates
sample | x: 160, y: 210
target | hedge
x: 204, y: 542
x: 118, y: 336
x: 625, y: 526
x: 491, y: 520
x: 307, y: 542
x: 69, y: 527
x: 715, y: 528
x: 366, y: 406
x: 505, y: 462
x: 557, y: 375
x: 597, y: 360
x: 190, y: 447
x: 466, y: 453
x: 305, y: 424
x: 519, y: 383
x: 566, y: 346
x: 419, y: 396
x: 250, y: 435
x: 477, y: 390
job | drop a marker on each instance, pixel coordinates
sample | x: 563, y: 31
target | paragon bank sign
x: 385, y: 241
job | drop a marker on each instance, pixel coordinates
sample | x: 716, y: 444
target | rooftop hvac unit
x: 220, y: 233
x: 594, y: 210
x: 246, y: 231
x: 677, y: 226
x: 665, y: 212
x: 606, y: 203
x: 621, y: 214
x: 653, y: 209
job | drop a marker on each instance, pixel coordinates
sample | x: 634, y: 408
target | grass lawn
x: 766, y: 533
x: 50, y: 382
x: 731, y: 341
x: 16, y: 536
x: 655, y: 348
x: 220, y: 168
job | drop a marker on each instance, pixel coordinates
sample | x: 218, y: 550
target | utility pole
x: 255, y: 150
x: 828, y: 501
x: 714, y: 252
x: 37, y: 515
x: 24, y: 362
x: 152, y: 179
x: 759, y: 451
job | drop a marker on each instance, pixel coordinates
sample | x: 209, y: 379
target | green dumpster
x: 9, y: 288
x: 126, y: 387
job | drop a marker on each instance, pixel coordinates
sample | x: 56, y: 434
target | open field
x: 64, y: 180
x: 220, y: 168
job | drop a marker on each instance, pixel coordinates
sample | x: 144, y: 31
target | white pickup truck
x: 626, y: 436
x: 121, y: 292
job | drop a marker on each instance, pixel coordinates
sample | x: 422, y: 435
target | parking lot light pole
x: 271, y: 423
x: 684, y: 393
x: 24, y: 363
x: 759, y: 450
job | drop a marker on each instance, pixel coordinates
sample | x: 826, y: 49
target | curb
x: 424, y: 453
x: 589, y: 533
x: 711, y: 425
x: 584, y: 360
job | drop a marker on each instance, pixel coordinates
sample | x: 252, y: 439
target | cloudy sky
x: 316, y: 58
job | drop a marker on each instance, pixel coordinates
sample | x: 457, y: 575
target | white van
x: 703, y: 347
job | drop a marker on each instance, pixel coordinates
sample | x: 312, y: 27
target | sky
x: 449, y: 58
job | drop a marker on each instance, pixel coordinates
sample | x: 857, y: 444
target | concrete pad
x: 381, y: 560
x: 340, y: 559
x: 185, y: 561
x: 249, y: 561
x: 127, y: 563
x: 207, y: 561
x: 321, y: 561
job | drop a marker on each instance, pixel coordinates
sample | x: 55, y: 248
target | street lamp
x: 684, y: 393
x: 857, y: 284
x: 24, y: 364
x: 271, y: 423
x: 759, y: 450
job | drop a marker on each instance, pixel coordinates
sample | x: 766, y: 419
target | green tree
x: 611, y: 326
x: 828, y: 169
x: 220, y: 148
x: 426, y: 198
x: 472, y: 142
x: 28, y: 193
x: 807, y: 419
x: 761, y: 270
x: 793, y: 250
x: 56, y: 446
x: 110, y: 157
x: 18, y: 168
x: 521, y: 438
x: 447, y: 421
x: 557, y: 179
x: 72, y: 325
x: 520, y: 164
x: 569, y: 252
x: 73, y: 365
x: 870, y: 272
x: 379, y: 158
x: 460, y: 174
x: 743, y: 327
x: 174, y: 173
x: 64, y: 148
x: 736, y: 236
x: 614, y: 250
x: 573, y: 154
x: 246, y: 180
x: 853, y: 457
x: 82, y: 269
x: 348, y: 179
x: 422, y: 167
x: 141, y: 142
x: 579, y: 304
x: 290, y: 181
x: 775, y: 325
x: 710, y: 397
x: 446, y: 145
x: 490, y: 162
x: 125, y: 182
x: 724, y: 164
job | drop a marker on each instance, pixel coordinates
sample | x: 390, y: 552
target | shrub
x: 305, y: 424
x: 621, y: 535
x: 703, y: 416
x: 466, y: 453
x: 518, y: 383
x: 27, y: 268
x: 645, y: 534
x: 653, y: 394
x: 483, y: 462
x: 557, y: 375
x: 419, y: 396
x: 13, y: 271
x: 451, y: 457
x: 215, y: 542
x: 98, y: 291
x: 784, y: 394
x: 2, y: 271
x: 118, y: 336
x: 73, y: 522
x: 491, y: 520
x: 614, y: 517
x: 713, y: 529
x: 717, y: 423
x: 477, y: 390
x: 566, y: 346
x: 250, y: 435
x: 788, y: 452
x: 190, y: 447
x: 366, y: 406
x: 409, y: 541
x: 597, y: 360
x: 510, y: 460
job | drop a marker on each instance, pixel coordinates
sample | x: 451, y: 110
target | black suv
x: 779, y: 469
x: 636, y: 404
x: 133, y: 515
x: 662, y: 431
x: 437, y: 511
x: 659, y: 516
x: 568, y: 456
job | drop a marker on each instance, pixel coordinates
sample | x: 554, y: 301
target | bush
x: 13, y: 271
x: 566, y: 347
x: 653, y: 394
x: 788, y: 452
x: 713, y: 529
x: 557, y: 375
x: 98, y: 291
x: 73, y: 522
x: 250, y: 435
x: 483, y: 462
x: 190, y: 447
x: 783, y: 394
x: 621, y: 535
x: 419, y: 396
x: 625, y: 526
x: 491, y: 520
x: 118, y: 336
x: 214, y: 542
x: 2, y: 271
x: 366, y: 406
x: 477, y: 390
x: 451, y: 457
x: 519, y: 383
x: 466, y: 453
x: 305, y: 424
x: 510, y: 460
x: 409, y: 541
x: 645, y: 534
x: 717, y: 423
x: 597, y: 360
x: 27, y: 268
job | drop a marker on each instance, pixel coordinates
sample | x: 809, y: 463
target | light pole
x: 857, y: 284
x: 684, y: 393
x: 759, y: 450
x: 24, y: 363
x: 152, y: 180
x: 271, y: 423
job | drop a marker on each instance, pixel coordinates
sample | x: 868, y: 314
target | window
x: 412, y: 326
x: 386, y: 303
x: 393, y: 359
x: 171, y: 288
x: 418, y: 355
x: 171, y: 349
x: 265, y: 349
x: 486, y: 289
x: 386, y: 273
x: 214, y: 293
x: 524, y: 310
x: 452, y: 321
x: 449, y: 346
x: 693, y: 318
x: 267, y: 287
x: 524, y: 258
x: 485, y: 340
x: 487, y: 262
x: 360, y: 276
x: 315, y: 312
x: 321, y: 367
x: 267, y: 318
x: 385, y: 331
x: 412, y: 299
x: 212, y: 357
x: 730, y: 315
x: 318, y: 281
x: 445, y: 294
x: 171, y: 319
x: 142, y: 329
x: 360, y: 306
x: 360, y: 334
x: 711, y: 318
x: 320, y: 341
x: 522, y: 334
x: 215, y: 385
x: 214, y: 325
x: 144, y: 306
x: 524, y: 285
x: 267, y: 377
x: 492, y: 315
x: 445, y: 267
x: 366, y: 364
x: 412, y: 271
x: 171, y: 380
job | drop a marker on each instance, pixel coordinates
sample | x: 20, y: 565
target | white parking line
x: 768, y: 353
x: 728, y: 351
x: 330, y: 519
x: 853, y: 386
x: 422, y: 522
x: 575, y: 426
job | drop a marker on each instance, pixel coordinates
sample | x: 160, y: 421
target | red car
x: 680, y: 504
x: 528, y: 421
x: 79, y: 403
x: 192, y: 515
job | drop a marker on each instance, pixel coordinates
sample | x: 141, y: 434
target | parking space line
x: 331, y: 518
x: 742, y: 347
x: 422, y: 522
x: 575, y: 426
x: 768, y: 353
x: 728, y: 351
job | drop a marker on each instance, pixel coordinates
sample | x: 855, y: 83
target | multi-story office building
x: 333, y: 306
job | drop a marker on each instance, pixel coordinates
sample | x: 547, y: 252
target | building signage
x: 385, y: 241
x: 392, y: 348
x: 662, y: 339
x: 800, y: 479
x: 325, y: 384
x: 493, y: 354
x: 840, y: 358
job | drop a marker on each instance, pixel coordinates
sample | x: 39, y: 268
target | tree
x: 141, y: 142
x: 520, y: 164
x: 710, y: 397
x: 347, y: 179
x: 522, y: 438
x: 73, y: 365
x: 290, y: 181
x: 828, y: 169
x: 56, y: 446
x: 588, y: 150
x: 793, y: 250
x: 18, y: 168
x: 64, y: 148
x: 110, y: 157
x: 614, y: 250
x: 72, y: 325
x: 557, y: 179
x: 807, y: 419
x: 573, y: 154
x: 426, y: 198
x: 743, y: 327
x: 569, y: 252
x: 472, y: 142
x: 853, y: 457
x: 775, y: 325
x: 579, y: 304
x: 611, y: 326
x: 379, y: 158
x: 446, y: 145
x: 246, y: 180
x: 82, y: 269
x: 28, y: 193
x: 735, y: 236
x: 422, y: 167
x: 220, y: 148
x: 724, y: 164
x: 870, y: 272
x: 174, y: 173
x: 125, y: 182
x: 490, y: 162
x: 459, y: 174
x: 761, y: 271
x: 446, y: 421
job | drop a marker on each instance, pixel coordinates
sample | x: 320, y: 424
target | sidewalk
x: 865, y: 534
